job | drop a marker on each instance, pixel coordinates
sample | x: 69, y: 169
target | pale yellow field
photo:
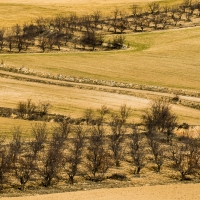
x: 18, y: 12
x: 162, y: 58
x: 164, y: 192
x: 73, y: 101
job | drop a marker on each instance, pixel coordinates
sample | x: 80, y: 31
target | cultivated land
x: 24, y: 10
x: 167, y: 58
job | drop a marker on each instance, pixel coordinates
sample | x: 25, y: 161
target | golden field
x: 22, y: 10
x: 165, y: 58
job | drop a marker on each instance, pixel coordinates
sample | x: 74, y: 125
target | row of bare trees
x: 75, y: 31
x: 31, y: 110
x: 90, y: 150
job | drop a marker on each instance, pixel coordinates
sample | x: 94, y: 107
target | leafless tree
x: 30, y: 107
x: 114, y: 19
x: 4, y: 162
x: 159, y: 117
x: 92, y: 39
x: 97, y: 17
x: 73, y: 21
x: 43, y: 42
x: 41, y: 24
x: 15, y: 145
x: 64, y: 128
x: 98, y: 158
x: 186, y: 160
x: 52, y: 163
x: 116, y: 139
x: 136, y: 10
x: 24, y: 168
x: 52, y: 159
x: 21, y: 107
x: 88, y: 115
x: 154, y: 7
x: 102, y: 112
x: 122, y: 22
x: 176, y: 14
x: 74, y: 155
x: 43, y: 108
x: 166, y: 8
x: 39, y: 132
x: 157, y: 151
x: 2, y: 38
x: 137, y: 150
x: 10, y: 39
x: 125, y: 112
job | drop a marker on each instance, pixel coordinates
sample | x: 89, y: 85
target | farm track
x: 119, y: 90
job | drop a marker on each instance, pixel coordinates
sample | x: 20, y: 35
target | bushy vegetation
x: 104, y: 140
x: 88, y: 31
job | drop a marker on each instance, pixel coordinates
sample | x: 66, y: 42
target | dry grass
x: 8, y: 124
x: 64, y: 100
x: 13, y: 12
x: 163, y: 58
x: 73, y: 101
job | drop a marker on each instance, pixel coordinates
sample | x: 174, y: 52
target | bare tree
x: 88, y: 115
x: 74, y: 155
x: 2, y: 38
x: 4, y: 162
x: 30, y: 107
x: 102, y: 112
x: 186, y: 160
x: 43, y: 108
x: 92, y: 38
x: 98, y: 158
x: 29, y: 33
x: 136, y: 10
x: 154, y: 7
x: 137, y: 150
x: 160, y: 118
x: 52, y: 159
x: 64, y: 128
x: 116, y: 139
x: 157, y: 151
x: 24, y: 168
x: 39, y: 132
x: 114, y: 19
x: 10, y: 39
x: 122, y: 22
x: 21, y: 107
x: 43, y: 42
x: 97, y: 17
x: 125, y: 112
x: 15, y: 146
x: 52, y: 163
x: 176, y: 14
x: 73, y: 21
